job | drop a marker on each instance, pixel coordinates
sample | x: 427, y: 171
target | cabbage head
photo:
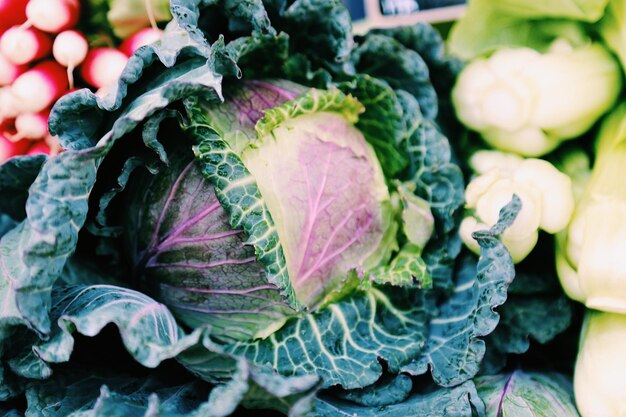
x: 306, y: 193
x: 266, y: 207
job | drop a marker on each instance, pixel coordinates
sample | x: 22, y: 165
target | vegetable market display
x: 263, y: 211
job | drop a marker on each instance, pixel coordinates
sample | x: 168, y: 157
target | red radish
x: 70, y: 49
x: 7, y: 126
x: 23, y: 45
x: 31, y: 126
x: 13, y: 12
x: 143, y: 37
x: 39, y: 148
x: 103, y: 67
x: 53, y: 16
x: 53, y: 144
x: 39, y: 87
x: 9, y: 71
x: 10, y: 149
x: 8, y: 104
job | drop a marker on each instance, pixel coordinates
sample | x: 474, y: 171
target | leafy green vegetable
x: 275, y: 211
x: 487, y: 26
x: 129, y: 16
x: 461, y: 400
x: 102, y: 393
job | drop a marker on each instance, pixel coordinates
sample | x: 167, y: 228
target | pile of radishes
x: 42, y: 58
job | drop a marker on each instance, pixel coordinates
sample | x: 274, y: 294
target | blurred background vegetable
x: 546, y: 195
x: 527, y: 102
x: 539, y: 73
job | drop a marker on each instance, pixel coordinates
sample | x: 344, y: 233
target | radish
x: 143, y: 37
x: 70, y: 49
x: 39, y: 87
x: 53, y: 144
x: 103, y: 67
x: 9, y: 71
x: 10, y: 149
x: 31, y: 126
x: 13, y: 12
x: 8, y: 104
x: 23, y: 45
x: 39, y: 148
x: 53, y: 16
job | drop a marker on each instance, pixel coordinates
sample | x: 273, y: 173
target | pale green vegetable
x: 546, y: 195
x: 590, y: 257
x: 489, y: 25
x: 526, y: 102
x: 612, y: 28
x: 128, y: 16
x: 601, y: 365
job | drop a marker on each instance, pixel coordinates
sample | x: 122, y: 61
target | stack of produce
x: 42, y: 58
x: 545, y: 80
x: 263, y: 211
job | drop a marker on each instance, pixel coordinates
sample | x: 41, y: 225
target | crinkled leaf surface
x: 439, y: 182
x: 528, y: 394
x: 239, y: 194
x: 523, y: 318
x: 16, y: 176
x: 103, y: 393
x: 427, y: 42
x: 343, y: 342
x: 388, y: 390
x: 460, y: 401
x: 387, y: 59
x: 147, y: 328
x: 454, y: 350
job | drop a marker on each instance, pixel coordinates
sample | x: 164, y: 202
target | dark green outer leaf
x: 440, y: 182
x: 427, y: 42
x: 389, y: 390
x: 460, y: 401
x: 320, y: 28
x: 454, y: 351
x: 403, y: 69
x: 16, y: 176
x: 539, y: 318
x: 58, y: 199
x: 343, y: 342
x: 101, y: 393
x: 148, y: 330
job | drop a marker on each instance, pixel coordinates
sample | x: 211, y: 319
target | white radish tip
x: 38, y: 88
x: 31, y: 125
x: 9, y: 71
x: 143, y: 37
x: 52, y: 16
x: 103, y: 67
x: 70, y: 48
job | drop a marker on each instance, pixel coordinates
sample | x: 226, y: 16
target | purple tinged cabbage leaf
x: 531, y: 394
x: 187, y: 255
